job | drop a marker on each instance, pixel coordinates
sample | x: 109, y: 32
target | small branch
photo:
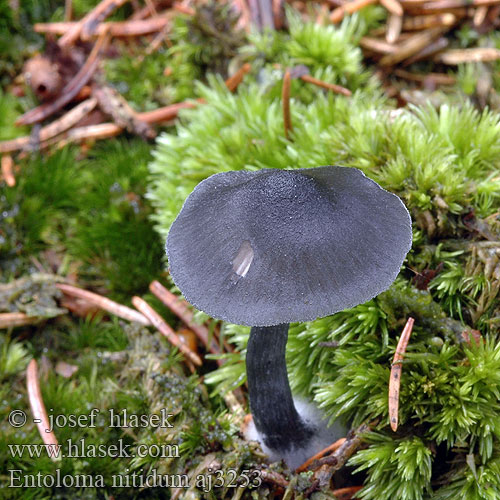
x: 329, y: 449
x: 39, y: 412
x: 8, y: 170
x: 272, y: 477
x: 329, y: 465
x: 158, y: 322
x: 104, y: 303
x: 71, y: 90
x: 113, y: 104
x: 396, y: 369
x: 285, y: 97
x: 180, y: 308
x: 338, y: 89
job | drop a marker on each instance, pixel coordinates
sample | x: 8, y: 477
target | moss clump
x: 447, y: 175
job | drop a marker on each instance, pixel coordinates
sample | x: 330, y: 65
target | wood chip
x: 349, y: 8
x: 10, y: 320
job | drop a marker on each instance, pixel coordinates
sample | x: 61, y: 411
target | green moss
x: 444, y: 172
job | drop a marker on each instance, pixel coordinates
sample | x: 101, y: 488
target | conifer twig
x: 180, y: 308
x: 70, y: 90
x: 104, y: 303
x: 396, y: 369
x: 285, y: 97
x: 158, y: 322
x: 39, y: 412
x: 332, y: 463
x: 329, y: 449
x: 7, y: 165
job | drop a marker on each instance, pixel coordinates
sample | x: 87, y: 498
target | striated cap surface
x: 278, y: 246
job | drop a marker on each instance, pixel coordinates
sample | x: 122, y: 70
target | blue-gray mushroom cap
x: 278, y: 246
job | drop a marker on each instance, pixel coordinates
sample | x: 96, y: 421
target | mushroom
x: 271, y: 247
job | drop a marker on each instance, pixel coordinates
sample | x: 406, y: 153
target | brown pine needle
x: 40, y: 416
x: 115, y: 28
x: 233, y: 81
x: 394, y: 26
x: 393, y: 6
x: 9, y: 320
x: 285, y: 97
x: 348, y: 8
x: 346, y: 493
x: 338, y: 89
x: 329, y: 449
x: 411, y: 46
x: 459, y: 56
x: 55, y: 128
x: 181, y: 309
x: 104, y: 303
x: 396, y: 369
x: 86, y: 26
x: 158, y: 322
x: 8, y: 170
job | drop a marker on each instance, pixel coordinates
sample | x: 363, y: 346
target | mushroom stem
x: 274, y: 413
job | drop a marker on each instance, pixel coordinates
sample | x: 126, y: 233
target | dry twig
x: 396, y: 369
